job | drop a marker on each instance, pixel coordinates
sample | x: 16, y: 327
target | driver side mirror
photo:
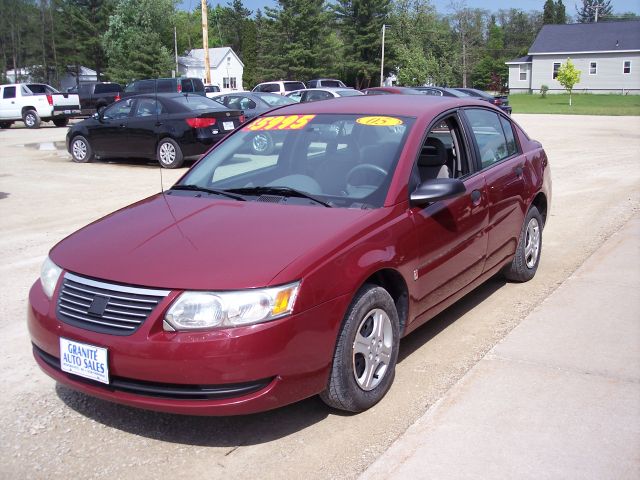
x: 437, y: 189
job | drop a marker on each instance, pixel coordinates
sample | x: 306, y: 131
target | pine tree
x: 587, y: 12
x: 549, y: 12
x: 561, y: 13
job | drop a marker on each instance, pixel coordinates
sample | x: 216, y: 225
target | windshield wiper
x: 283, y: 191
x: 197, y: 188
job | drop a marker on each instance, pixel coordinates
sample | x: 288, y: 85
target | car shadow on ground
x: 256, y: 428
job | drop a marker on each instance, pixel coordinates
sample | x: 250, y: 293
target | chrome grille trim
x: 120, y: 310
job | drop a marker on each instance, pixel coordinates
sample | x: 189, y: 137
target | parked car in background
x: 94, y: 96
x: 326, y: 93
x: 441, y: 92
x: 34, y: 103
x: 280, y: 87
x: 257, y: 282
x: 211, y: 90
x: 325, y: 82
x: 165, y: 85
x: 254, y: 104
x: 501, y: 101
x: 169, y: 127
x: 390, y: 91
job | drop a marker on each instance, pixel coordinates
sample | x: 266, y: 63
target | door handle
x: 122, y: 125
x: 519, y: 171
x: 476, y: 197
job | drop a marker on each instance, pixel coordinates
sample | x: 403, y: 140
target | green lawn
x: 583, y: 104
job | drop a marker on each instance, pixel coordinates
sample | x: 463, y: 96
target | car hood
x: 188, y: 242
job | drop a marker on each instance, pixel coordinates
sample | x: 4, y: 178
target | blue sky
x: 443, y: 5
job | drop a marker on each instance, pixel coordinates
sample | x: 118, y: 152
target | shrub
x: 543, y: 90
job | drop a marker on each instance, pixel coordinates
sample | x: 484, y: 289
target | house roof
x: 588, y: 37
x: 525, y: 59
x: 195, y: 58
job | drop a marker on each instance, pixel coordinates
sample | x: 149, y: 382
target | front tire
x: 525, y: 263
x: 61, y: 122
x: 366, y: 352
x: 31, y: 119
x: 80, y: 149
x: 169, y: 153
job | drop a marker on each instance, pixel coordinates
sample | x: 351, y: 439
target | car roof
x: 409, y: 105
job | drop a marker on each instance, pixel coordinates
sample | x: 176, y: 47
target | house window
x: 556, y: 67
x: 626, y: 67
x: 523, y: 72
x: 229, y: 82
x: 593, y: 68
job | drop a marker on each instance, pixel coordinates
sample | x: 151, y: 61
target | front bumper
x: 217, y: 372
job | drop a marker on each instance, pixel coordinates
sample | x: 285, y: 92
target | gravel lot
x: 50, y: 431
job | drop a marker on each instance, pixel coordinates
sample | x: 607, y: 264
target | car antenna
x: 155, y: 92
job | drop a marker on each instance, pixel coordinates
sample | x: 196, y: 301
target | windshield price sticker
x: 85, y: 360
x: 288, y: 122
x: 379, y: 121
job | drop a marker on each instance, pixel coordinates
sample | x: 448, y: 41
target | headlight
x: 198, y: 310
x: 49, y: 275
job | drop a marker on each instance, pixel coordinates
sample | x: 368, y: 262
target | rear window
x: 41, y: 89
x: 166, y: 85
x: 211, y: 88
x: 331, y: 83
x: 198, y: 102
x: 268, y: 87
x: 187, y: 86
x: 108, y: 88
x: 291, y: 86
x: 198, y: 85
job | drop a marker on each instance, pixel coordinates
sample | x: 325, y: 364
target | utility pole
x: 205, y: 42
x: 597, y: 8
x: 175, y: 47
x: 382, y: 61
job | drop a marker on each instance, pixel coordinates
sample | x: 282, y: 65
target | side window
x: 165, y: 85
x: 247, y: 104
x: 187, y: 86
x: 487, y: 130
x: 271, y: 87
x: 314, y: 96
x: 85, y: 89
x: 442, y: 154
x: 512, y: 146
x: 144, y: 86
x: 119, y: 110
x: 9, y: 92
x: 147, y: 107
x: 297, y: 96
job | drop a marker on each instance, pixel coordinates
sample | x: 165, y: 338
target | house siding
x: 608, y: 79
x: 515, y: 84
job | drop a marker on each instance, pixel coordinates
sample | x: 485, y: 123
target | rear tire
x: 169, y: 153
x: 4, y: 125
x: 525, y: 262
x: 61, y: 122
x: 366, y: 352
x: 80, y: 149
x: 31, y: 119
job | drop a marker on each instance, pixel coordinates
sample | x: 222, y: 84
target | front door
x: 142, y: 128
x: 108, y: 134
x: 451, y: 234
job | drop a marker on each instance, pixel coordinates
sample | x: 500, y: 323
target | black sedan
x: 501, y: 101
x: 168, y: 127
x: 254, y: 104
x: 442, y: 92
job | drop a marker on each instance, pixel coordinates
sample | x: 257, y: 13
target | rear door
x: 9, y: 106
x: 143, y: 127
x: 502, y: 165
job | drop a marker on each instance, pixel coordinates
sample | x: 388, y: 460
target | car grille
x: 105, y: 307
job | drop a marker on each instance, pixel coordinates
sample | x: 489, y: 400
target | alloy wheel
x: 372, y: 349
x: 79, y: 149
x: 532, y: 243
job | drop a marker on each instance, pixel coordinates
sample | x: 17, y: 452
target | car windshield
x: 276, y: 100
x: 343, y: 160
x: 198, y: 102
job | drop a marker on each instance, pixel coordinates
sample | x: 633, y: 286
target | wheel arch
x: 541, y: 203
x: 394, y: 283
x: 26, y: 109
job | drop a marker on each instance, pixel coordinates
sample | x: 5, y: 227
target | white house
x: 67, y: 80
x: 225, y: 66
x: 607, y: 54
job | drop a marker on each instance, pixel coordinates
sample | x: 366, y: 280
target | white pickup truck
x: 34, y: 103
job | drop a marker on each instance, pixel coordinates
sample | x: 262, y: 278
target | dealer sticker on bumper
x: 85, y: 360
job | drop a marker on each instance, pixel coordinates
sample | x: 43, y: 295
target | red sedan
x: 261, y: 280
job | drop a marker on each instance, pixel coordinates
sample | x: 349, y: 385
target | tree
x: 359, y: 24
x: 593, y: 10
x: 561, y: 13
x: 568, y: 76
x: 136, y: 39
x: 468, y: 24
x: 491, y: 71
x: 549, y: 12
